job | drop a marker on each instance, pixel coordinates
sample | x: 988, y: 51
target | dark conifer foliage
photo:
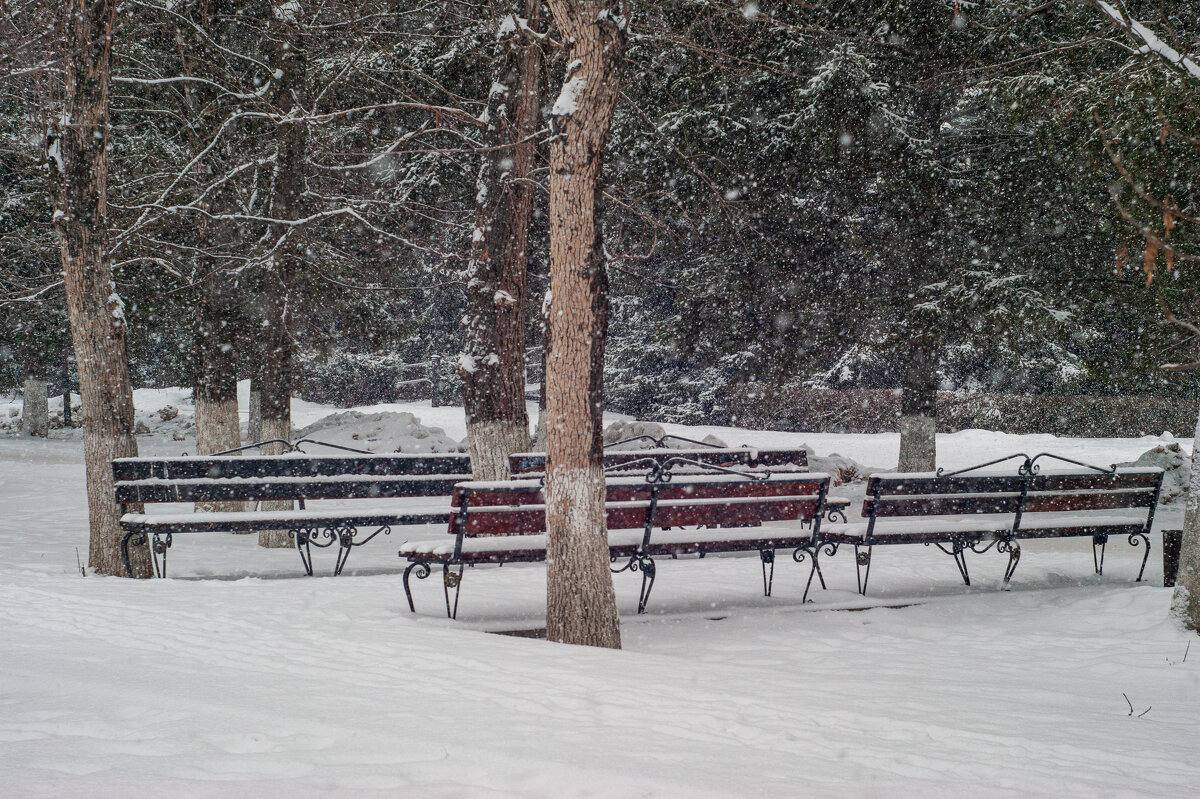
x: 793, y: 193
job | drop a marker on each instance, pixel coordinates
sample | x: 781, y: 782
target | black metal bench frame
x: 222, y: 478
x: 639, y: 558
x: 1001, y: 489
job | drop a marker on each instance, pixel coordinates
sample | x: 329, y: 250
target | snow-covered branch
x: 190, y: 79
x: 1148, y: 40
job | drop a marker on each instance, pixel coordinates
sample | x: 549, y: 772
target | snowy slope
x: 272, y: 684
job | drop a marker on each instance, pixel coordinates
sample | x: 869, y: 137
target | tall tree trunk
x: 1186, y: 600
x: 96, y: 311
x: 918, y: 411
x: 215, y: 393
x: 580, y: 604
x: 35, y: 408
x: 493, y: 361
x: 275, y: 289
x: 539, y: 433
x: 68, y: 421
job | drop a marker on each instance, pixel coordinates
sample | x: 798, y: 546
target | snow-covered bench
x: 294, y: 476
x: 505, y: 522
x: 965, y: 511
x: 523, y: 463
x: 533, y: 464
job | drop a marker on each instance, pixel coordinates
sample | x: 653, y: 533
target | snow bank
x: 1177, y: 466
x: 383, y: 431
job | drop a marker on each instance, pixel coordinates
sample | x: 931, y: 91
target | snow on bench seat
x: 937, y: 528
x: 283, y: 518
x: 620, y: 541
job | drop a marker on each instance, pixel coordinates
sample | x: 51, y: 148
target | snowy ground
x: 265, y: 683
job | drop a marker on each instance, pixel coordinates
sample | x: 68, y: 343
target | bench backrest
x: 517, y: 507
x: 293, y: 476
x: 1022, y: 496
x: 637, y: 459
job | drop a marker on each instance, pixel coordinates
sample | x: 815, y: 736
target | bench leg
x: 862, y: 567
x: 958, y: 551
x: 347, y: 540
x: 1098, y: 542
x: 301, y: 538
x: 814, y: 553
x: 1133, y: 542
x: 649, y: 571
x: 423, y: 571
x: 158, y: 551
x: 129, y: 536
x: 1013, y: 548
x: 451, y: 579
x: 960, y: 560
x: 768, y: 560
x: 1172, y: 543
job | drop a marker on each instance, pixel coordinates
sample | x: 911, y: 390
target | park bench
x: 292, y: 476
x: 533, y: 464
x: 792, y: 460
x: 967, y: 511
x: 648, y: 516
x: 303, y: 478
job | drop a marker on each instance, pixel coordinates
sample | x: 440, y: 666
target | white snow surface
x: 239, y: 677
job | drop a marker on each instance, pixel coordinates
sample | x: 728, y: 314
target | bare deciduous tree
x: 97, y: 313
x: 493, y: 361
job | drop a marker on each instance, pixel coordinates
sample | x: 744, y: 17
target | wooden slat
x: 639, y: 491
x: 732, y: 457
x: 1080, y: 482
x: 943, y: 506
x: 964, y: 484
x: 510, y: 520
x: 200, y: 524
x: 1105, y: 500
x: 205, y: 491
x: 232, y: 466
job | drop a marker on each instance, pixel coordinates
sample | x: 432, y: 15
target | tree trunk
x: 539, y: 433
x: 275, y: 288
x: 68, y: 421
x: 97, y: 314
x: 1186, y: 600
x: 254, y: 417
x: 493, y: 362
x: 215, y: 394
x: 918, y: 412
x: 580, y: 604
x: 35, y: 408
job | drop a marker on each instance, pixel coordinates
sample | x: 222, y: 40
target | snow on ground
x: 240, y: 677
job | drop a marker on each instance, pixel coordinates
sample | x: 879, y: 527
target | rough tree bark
x: 580, y: 604
x: 68, y: 421
x: 492, y: 365
x: 215, y: 393
x: 97, y: 315
x: 274, y: 370
x: 218, y: 310
x: 1185, y: 603
x: 918, y: 412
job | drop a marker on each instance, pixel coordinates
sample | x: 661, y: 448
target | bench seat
x: 620, y: 542
x: 239, y: 521
x: 906, y: 530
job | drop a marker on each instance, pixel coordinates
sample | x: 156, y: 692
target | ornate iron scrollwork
x: 835, y: 514
x: 423, y: 570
